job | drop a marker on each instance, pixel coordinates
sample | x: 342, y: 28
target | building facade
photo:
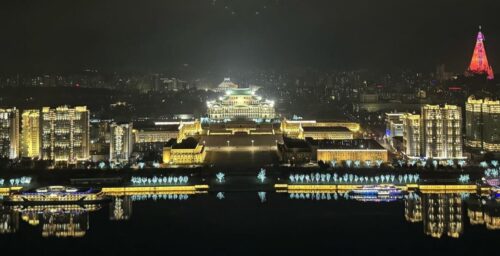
x: 367, y: 151
x: 326, y: 133
x: 394, y: 125
x: 9, y: 133
x: 292, y: 128
x: 30, y: 133
x: 121, y: 142
x: 482, y: 129
x: 65, y: 134
x: 442, y: 132
x: 241, y: 103
x: 411, y: 135
x: 187, y: 152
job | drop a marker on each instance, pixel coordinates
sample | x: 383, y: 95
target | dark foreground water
x: 244, y: 223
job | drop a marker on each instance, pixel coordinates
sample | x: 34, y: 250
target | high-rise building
x: 9, y: 133
x: 30, y: 133
x: 442, y: 132
x: 121, y: 142
x: 65, y: 134
x: 241, y: 103
x: 482, y: 129
x: 394, y: 124
x: 411, y: 135
x: 479, y: 63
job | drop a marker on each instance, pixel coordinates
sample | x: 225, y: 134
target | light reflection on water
x: 441, y: 215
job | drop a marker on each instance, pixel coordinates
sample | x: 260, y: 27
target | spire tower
x: 479, y: 64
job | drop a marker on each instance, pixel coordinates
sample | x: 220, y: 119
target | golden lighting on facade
x: 30, y: 135
x: 65, y: 134
x: 482, y: 123
x: 9, y: 133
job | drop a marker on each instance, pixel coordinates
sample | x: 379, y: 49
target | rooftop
x: 325, y: 129
x: 189, y: 143
x: 240, y: 91
x: 295, y: 143
x: 360, y: 144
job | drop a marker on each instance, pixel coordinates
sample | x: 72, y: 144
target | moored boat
x: 56, y: 195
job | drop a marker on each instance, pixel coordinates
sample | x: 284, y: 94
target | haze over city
x: 154, y: 35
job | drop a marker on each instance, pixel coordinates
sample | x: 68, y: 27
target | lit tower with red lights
x: 479, y: 64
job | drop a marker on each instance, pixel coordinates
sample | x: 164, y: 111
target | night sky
x: 138, y: 35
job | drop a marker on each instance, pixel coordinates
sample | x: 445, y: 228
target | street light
x: 252, y: 142
x: 228, y: 143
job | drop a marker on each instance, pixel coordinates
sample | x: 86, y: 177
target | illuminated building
x: 411, y: 135
x: 241, y: 142
x: 187, y: 152
x: 293, y: 128
x: 482, y: 127
x: 189, y: 129
x: 65, y: 134
x: 326, y: 133
x: 121, y: 143
x: 226, y: 85
x: 156, y: 134
x: 294, y: 151
x: 364, y: 150
x: 99, y: 140
x: 241, y: 127
x: 394, y: 125
x: 152, y: 138
x: 9, y: 133
x: 442, y: 214
x: 30, y: 133
x: 442, y: 132
x: 241, y: 103
x: 479, y: 63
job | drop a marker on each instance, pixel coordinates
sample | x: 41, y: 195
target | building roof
x: 295, y: 143
x: 240, y: 91
x: 227, y: 84
x: 188, y: 143
x: 359, y: 144
x: 325, y: 129
x: 149, y: 126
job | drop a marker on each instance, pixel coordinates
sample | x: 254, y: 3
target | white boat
x: 56, y: 195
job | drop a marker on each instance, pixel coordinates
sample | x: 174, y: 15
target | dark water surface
x: 241, y: 223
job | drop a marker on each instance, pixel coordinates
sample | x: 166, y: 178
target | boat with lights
x: 56, y: 195
x: 376, y: 193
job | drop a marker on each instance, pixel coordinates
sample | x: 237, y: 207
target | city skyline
x: 249, y: 127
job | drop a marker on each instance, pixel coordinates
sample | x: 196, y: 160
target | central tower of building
x: 240, y: 103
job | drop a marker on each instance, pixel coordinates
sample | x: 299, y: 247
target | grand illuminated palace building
x: 240, y: 103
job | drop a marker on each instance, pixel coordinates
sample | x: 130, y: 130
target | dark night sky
x: 62, y: 35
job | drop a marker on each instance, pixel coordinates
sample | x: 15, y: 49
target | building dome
x: 225, y: 85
